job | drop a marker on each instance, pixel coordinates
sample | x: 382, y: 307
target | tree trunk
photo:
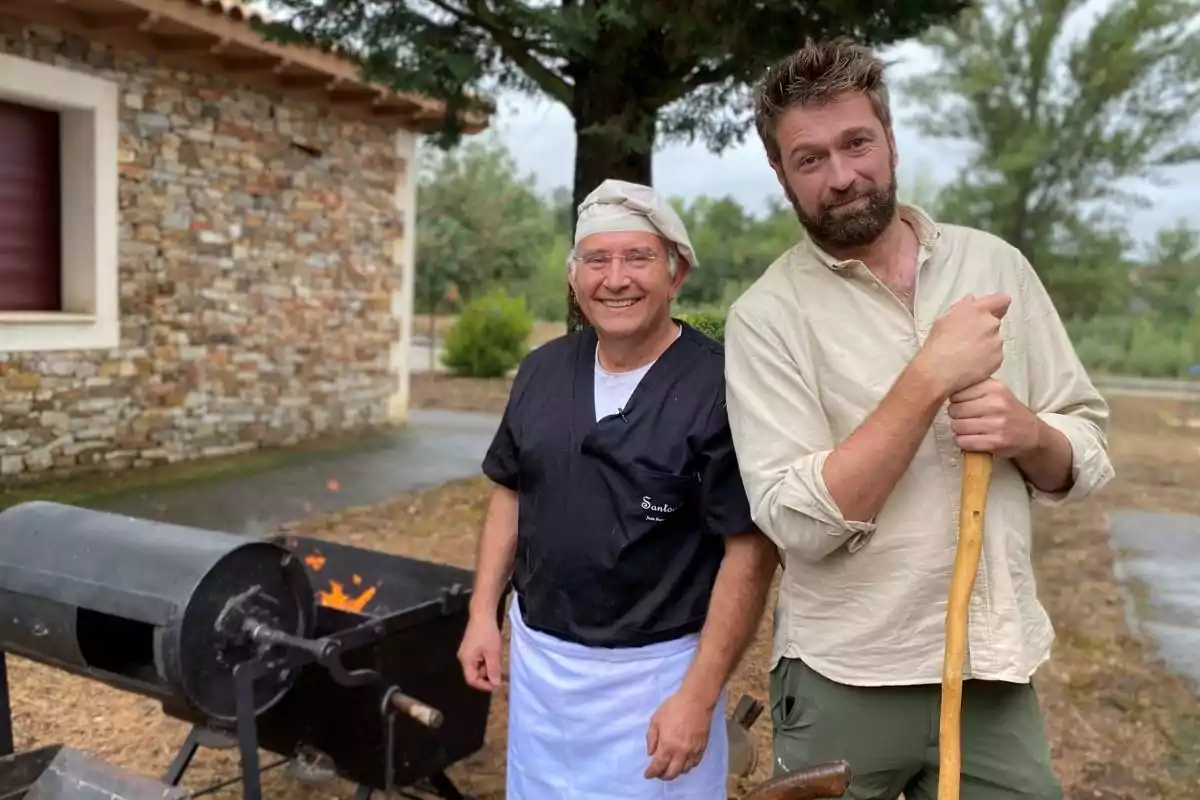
x: 614, y: 139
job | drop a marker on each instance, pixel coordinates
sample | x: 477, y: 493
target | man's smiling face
x: 623, y: 283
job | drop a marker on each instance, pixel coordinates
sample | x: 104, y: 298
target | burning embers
x: 336, y: 595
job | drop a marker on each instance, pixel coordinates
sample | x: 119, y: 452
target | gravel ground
x: 1120, y: 726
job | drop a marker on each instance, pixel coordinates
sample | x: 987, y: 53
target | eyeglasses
x: 634, y: 259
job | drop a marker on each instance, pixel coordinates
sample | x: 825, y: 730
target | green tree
x: 545, y: 288
x: 631, y: 72
x: 1062, y: 126
x: 920, y: 189
x: 719, y: 228
x: 1169, y: 282
x: 564, y: 210
x: 734, y: 246
x: 480, y: 223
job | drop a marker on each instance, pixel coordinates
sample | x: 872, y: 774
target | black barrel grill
x: 336, y: 657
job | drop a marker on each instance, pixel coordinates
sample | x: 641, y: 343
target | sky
x: 540, y: 135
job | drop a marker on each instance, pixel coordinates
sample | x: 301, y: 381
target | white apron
x: 578, y: 716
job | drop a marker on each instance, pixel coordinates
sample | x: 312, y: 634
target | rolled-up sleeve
x: 1062, y: 394
x: 782, y: 439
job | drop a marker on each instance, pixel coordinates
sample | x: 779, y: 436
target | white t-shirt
x: 612, y: 389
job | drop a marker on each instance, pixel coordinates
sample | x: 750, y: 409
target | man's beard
x: 853, y: 228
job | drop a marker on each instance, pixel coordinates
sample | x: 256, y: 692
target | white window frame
x: 90, y: 228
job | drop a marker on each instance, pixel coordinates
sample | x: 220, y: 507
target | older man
x: 860, y: 365
x: 620, y: 515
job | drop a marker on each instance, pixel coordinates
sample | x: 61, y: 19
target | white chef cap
x: 623, y: 206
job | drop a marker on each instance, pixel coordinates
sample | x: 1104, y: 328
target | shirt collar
x: 928, y: 232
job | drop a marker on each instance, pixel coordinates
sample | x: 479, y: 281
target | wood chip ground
x: 1121, y: 727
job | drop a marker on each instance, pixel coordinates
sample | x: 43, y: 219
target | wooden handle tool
x: 825, y: 781
x: 977, y: 475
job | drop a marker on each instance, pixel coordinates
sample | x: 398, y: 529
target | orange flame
x: 336, y: 597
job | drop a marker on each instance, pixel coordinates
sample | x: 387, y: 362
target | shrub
x: 711, y: 323
x: 490, y: 336
x: 1146, y: 346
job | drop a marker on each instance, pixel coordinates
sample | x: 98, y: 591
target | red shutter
x: 30, y: 249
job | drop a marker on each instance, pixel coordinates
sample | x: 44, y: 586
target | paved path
x: 1158, y: 561
x: 420, y: 351
x: 436, y: 446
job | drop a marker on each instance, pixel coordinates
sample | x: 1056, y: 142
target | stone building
x: 206, y: 239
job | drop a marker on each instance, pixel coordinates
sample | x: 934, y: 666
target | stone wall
x: 257, y: 273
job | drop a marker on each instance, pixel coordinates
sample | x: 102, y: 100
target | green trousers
x: 889, y: 735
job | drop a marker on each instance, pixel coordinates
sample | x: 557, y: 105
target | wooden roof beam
x: 100, y: 22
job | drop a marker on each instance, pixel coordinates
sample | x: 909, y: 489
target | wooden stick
x: 977, y: 474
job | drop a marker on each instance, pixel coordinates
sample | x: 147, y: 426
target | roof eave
x: 215, y: 37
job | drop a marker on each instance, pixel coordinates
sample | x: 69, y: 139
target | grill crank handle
x: 396, y: 700
x: 332, y: 661
x: 327, y: 652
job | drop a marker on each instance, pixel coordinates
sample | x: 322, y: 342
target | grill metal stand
x: 395, y: 703
x: 6, y: 732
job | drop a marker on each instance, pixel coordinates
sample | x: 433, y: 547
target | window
x: 30, y: 194
x: 59, y: 225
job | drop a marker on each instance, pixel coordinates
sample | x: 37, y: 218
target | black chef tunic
x: 621, y: 521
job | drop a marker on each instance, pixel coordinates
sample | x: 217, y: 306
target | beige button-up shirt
x: 811, y: 349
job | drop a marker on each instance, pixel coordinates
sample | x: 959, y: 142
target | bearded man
x: 859, y: 367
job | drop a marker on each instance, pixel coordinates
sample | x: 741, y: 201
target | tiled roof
x: 219, y: 36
